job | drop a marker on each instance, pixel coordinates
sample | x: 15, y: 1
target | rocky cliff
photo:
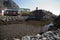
x: 8, y: 4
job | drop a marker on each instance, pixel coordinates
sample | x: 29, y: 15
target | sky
x: 49, y: 5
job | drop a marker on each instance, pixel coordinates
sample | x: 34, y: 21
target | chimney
x: 36, y: 8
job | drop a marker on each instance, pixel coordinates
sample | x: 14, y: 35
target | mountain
x: 8, y: 4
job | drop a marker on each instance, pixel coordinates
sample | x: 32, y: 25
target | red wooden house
x: 11, y: 12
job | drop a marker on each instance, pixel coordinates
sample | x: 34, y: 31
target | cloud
x: 50, y: 5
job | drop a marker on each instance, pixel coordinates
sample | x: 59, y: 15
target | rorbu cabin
x: 11, y: 12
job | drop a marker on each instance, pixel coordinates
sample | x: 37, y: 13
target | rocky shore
x: 9, y: 27
x: 11, y: 19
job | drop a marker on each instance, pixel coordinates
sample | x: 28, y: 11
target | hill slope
x: 8, y: 4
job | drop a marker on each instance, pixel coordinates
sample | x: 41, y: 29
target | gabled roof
x: 11, y: 9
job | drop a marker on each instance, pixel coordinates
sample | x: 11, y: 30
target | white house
x: 24, y: 10
x: 1, y: 12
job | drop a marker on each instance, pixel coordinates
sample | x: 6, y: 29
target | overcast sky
x: 50, y: 5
